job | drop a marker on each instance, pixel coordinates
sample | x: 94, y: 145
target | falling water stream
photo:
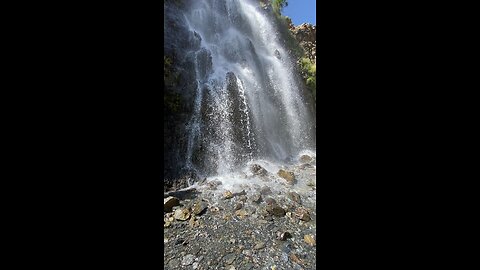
x: 248, y: 105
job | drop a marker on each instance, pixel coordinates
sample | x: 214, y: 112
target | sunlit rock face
x: 240, y: 97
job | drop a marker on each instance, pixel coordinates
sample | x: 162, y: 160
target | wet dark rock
x: 265, y: 190
x: 256, y: 198
x: 275, y: 210
x: 227, y: 195
x: 214, y: 184
x: 199, y: 208
x: 283, y: 235
x: 270, y: 201
x: 258, y: 170
x: 238, y: 206
x: 302, y: 214
x: 169, y: 203
x: 277, y: 54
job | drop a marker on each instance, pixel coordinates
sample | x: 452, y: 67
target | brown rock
x: 295, y: 197
x: 199, y: 208
x: 275, y: 210
x: 302, y: 214
x: 169, y: 203
x: 228, y: 195
x: 241, y: 213
x: 265, y: 190
x: 182, y: 214
x: 309, y: 239
x: 295, y: 258
x: 283, y: 235
x: 305, y: 158
x: 289, y: 176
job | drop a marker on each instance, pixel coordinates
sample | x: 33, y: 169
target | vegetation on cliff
x: 306, y: 66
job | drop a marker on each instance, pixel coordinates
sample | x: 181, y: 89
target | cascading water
x: 248, y: 103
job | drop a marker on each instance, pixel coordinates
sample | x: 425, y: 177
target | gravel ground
x: 269, y: 224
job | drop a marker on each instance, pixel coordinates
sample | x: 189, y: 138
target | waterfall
x: 248, y: 103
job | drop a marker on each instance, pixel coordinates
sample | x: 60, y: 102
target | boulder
x: 169, y: 203
x: 289, y: 176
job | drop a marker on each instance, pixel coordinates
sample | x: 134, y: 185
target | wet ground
x: 263, y: 217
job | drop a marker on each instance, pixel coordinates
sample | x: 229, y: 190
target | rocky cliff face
x: 232, y: 90
x: 306, y: 35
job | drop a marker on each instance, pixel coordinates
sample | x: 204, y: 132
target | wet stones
x: 302, y: 214
x: 282, y: 236
x: 265, y: 190
x: 270, y: 201
x: 256, y: 198
x: 182, y: 214
x: 289, y: 176
x: 258, y: 170
x: 214, y: 184
x: 275, y: 210
x: 295, y: 197
x: 238, y: 206
x: 227, y: 195
x: 199, y: 208
x: 169, y: 203
x: 305, y: 159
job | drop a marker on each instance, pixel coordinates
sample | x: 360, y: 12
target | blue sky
x: 301, y: 11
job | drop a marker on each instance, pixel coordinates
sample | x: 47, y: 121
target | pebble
x: 256, y: 198
x: 283, y: 235
x: 302, y: 214
x: 259, y: 245
x: 270, y: 201
x: 309, y: 239
x: 228, y: 195
x: 265, y: 190
x: 295, y: 197
x: 187, y: 260
x: 199, y: 208
x: 238, y: 206
x: 229, y: 258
